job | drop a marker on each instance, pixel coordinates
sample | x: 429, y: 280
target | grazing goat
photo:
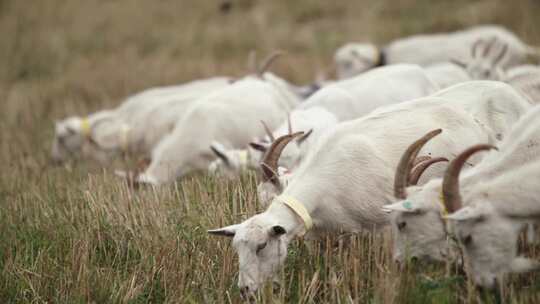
x: 230, y: 116
x: 134, y: 126
x: 420, y: 229
x: 491, y: 205
x: 347, y: 177
x: 425, y: 50
x: 340, y: 101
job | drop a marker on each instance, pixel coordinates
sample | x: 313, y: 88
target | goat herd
x: 383, y: 145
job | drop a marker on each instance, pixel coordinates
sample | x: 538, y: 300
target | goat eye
x: 261, y: 247
x: 401, y: 225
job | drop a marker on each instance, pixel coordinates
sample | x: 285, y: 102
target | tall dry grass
x: 77, y: 234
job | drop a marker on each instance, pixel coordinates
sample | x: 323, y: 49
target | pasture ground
x: 76, y: 234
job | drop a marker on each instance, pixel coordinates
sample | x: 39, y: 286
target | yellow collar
x: 298, y: 208
x: 85, y: 127
x: 243, y: 154
x: 444, y: 212
x: 124, y: 139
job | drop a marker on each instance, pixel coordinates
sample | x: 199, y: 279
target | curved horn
x: 489, y: 45
x: 420, y: 159
x: 450, y: 185
x: 289, y: 124
x: 267, y: 130
x: 269, y: 163
x: 421, y: 167
x: 401, y: 179
x: 501, y: 54
x: 268, y: 61
x: 475, y: 46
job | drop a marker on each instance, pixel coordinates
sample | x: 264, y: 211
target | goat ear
x: 277, y: 230
x: 220, y: 152
x: 302, y: 138
x: 465, y: 214
x: 403, y: 206
x: 229, y: 231
x: 258, y: 146
x: 521, y: 264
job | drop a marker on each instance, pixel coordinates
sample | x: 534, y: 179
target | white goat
x: 313, y: 121
x: 420, y: 230
x: 347, y: 177
x: 425, y: 50
x: 229, y: 116
x: 500, y: 196
x: 498, y: 125
x: 488, y: 227
x: 134, y: 126
x: 340, y: 101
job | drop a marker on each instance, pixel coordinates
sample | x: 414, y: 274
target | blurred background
x: 61, y: 57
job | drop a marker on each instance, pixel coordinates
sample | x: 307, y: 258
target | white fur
x: 230, y: 116
x: 428, y: 49
x: 348, y: 176
x: 424, y: 233
x: 488, y: 227
x: 341, y: 101
x: 526, y: 79
x: 446, y: 74
x: 137, y: 124
x: 355, y: 58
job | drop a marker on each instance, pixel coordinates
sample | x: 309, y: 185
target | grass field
x: 76, y: 234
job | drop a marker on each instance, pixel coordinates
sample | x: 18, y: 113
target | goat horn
x: 489, y: 45
x: 475, y: 47
x: 289, y: 125
x: 501, y: 54
x: 268, y: 61
x: 269, y: 163
x: 401, y: 179
x: 450, y: 186
x: 267, y: 130
x: 421, y: 167
x: 420, y: 159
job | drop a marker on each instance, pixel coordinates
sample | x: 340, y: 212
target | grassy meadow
x: 77, y: 234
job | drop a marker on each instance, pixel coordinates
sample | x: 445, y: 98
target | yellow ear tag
x: 243, y: 157
x: 85, y: 127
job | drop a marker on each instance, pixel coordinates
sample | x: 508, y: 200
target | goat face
x: 68, y: 139
x: 419, y: 230
x: 489, y: 243
x: 353, y: 59
x: 261, y: 247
